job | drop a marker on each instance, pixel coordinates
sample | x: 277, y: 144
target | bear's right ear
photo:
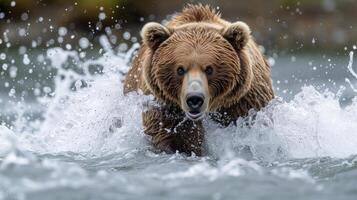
x: 154, y: 34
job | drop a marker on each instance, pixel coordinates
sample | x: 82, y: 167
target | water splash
x: 87, y: 114
x: 96, y: 119
x: 350, y: 69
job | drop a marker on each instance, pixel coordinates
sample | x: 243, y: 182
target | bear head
x: 198, y: 66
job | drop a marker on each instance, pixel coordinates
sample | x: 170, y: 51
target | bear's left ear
x: 237, y: 34
x: 154, y: 34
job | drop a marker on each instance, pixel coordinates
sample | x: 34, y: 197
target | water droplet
x: 47, y: 89
x: 102, y: 16
x: 126, y: 35
x: 60, y: 40
x: 37, y: 92
x: 83, y: 43
x: 78, y: 84
x: 26, y: 60
x: 40, y: 58
x: 62, y: 31
x: 22, y: 50
x: 12, y: 92
x: 2, y: 56
x: 24, y: 16
x: 82, y: 55
x: 33, y: 44
x: 4, y: 66
x: 13, y: 72
x: 22, y: 32
x: 271, y: 61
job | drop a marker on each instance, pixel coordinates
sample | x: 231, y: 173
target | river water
x: 69, y: 133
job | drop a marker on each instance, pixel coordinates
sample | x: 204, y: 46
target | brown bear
x: 197, y: 65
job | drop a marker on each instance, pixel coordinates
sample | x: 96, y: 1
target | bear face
x: 195, y: 65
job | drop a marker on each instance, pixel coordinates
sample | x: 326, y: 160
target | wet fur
x: 241, y: 85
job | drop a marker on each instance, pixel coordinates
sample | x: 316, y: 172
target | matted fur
x: 197, y: 37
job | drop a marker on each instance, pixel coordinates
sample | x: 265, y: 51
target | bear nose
x: 195, y: 101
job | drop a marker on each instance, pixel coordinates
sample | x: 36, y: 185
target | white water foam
x: 99, y: 120
x: 95, y: 120
x: 313, y: 124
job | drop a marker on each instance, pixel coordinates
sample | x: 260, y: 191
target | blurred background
x: 279, y: 25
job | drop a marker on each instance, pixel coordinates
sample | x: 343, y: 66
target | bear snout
x: 194, y: 98
x: 195, y: 101
x: 195, y: 105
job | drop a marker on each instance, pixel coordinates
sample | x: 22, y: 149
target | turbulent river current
x: 75, y: 136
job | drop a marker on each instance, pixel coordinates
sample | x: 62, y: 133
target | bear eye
x: 209, y: 70
x: 181, y: 71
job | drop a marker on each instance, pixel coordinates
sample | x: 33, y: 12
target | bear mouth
x: 194, y: 115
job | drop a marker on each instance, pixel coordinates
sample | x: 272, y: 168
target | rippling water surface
x: 69, y: 133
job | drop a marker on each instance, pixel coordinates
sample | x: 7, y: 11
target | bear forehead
x: 197, y: 45
x: 192, y: 58
x: 197, y: 35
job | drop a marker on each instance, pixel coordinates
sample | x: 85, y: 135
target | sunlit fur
x: 196, y: 38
